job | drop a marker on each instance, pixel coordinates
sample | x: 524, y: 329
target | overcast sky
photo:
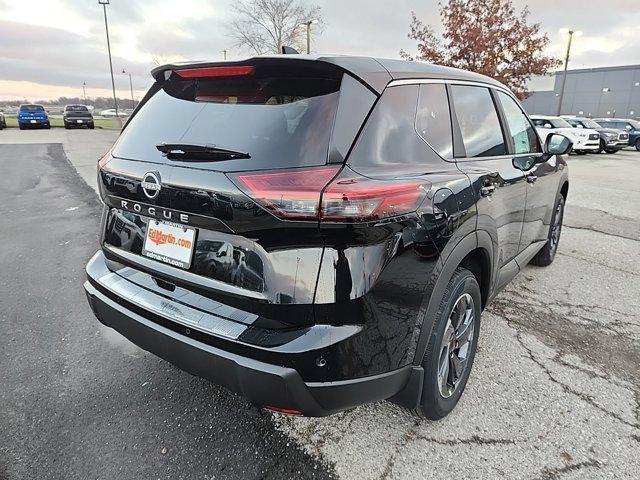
x: 48, y: 48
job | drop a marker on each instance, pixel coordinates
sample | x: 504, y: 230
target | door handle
x: 531, y: 179
x: 487, y: 190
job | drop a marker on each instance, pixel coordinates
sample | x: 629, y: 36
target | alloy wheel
x: 456, y: 345
x: 556, y: 229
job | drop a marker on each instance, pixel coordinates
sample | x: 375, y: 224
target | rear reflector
x: 286, y: 411
x: 208, y: 72
x: 317, y: 194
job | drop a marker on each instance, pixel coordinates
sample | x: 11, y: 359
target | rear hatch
x: 32, y: 112
x: 206, y: 150
x: 77, y: 111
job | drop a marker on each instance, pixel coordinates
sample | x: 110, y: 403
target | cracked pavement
x: 555, y: 389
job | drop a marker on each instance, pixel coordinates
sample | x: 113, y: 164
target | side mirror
x: 557, y: 144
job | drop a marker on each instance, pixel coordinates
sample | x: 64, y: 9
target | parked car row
x: 35, y: 116
x: 598, y: 135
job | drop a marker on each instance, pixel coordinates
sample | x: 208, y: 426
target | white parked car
x: 111, y: 112
x: 585, y: 140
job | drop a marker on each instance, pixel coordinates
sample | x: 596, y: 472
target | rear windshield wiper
x: 199, y: 151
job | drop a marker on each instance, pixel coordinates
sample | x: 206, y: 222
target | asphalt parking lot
x: 555, y: 391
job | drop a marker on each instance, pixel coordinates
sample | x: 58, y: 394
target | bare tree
x: 264, y: 26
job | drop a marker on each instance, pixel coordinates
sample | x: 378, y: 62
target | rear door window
x: 478, y: 120
x: 280, y: 116
x: 522, y: 133
x: 433, y: 120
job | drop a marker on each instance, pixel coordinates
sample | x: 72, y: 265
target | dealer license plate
x: 169, y: 243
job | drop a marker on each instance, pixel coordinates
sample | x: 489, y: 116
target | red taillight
x: 208, y: 72
x: 310, y: 194
x: 293, y: 194
x: 104, y: 160
x: 351, y: 197
x: 286, y: 411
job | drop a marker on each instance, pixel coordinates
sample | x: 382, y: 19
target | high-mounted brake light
x: 106, y: 158
x: 314, y: 194
x: 209, y: 72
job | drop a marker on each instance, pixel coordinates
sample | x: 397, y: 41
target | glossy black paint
x: 339, y: 301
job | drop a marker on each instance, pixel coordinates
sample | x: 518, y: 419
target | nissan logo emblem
x: 151, y: 184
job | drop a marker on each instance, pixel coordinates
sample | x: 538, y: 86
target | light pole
x: 224, y: 54
x: 308, y: 25
x: 104, y: 4
x: 566, y: 64
x: 84, y: 91
x: 133, y: 102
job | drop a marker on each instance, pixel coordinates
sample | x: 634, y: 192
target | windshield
x: 590, y: 124
x: 559, y: 123
x: 635, y: 124
x: 31, y: 108
x: 278, y: 120
x: 76, y: 108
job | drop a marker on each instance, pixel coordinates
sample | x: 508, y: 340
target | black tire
x: 581, y: 152
x: 546, y: 255
x: 611, y: 150
x: 67, y: 126
x: 48, y: 127
x: 20, y: 126
x: 462, y: 288
x: 638, y: 144
x: 91, y: 126
x: 602, y: 147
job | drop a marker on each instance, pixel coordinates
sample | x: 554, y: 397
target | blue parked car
x: 31, y: 115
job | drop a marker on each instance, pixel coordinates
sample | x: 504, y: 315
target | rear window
x: 279, y: 116
x: 76, y: 108
x: 31, y: 108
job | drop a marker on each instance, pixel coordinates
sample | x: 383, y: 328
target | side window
x: 389, y: 136
x: 478, y: 120
x: 521, y: 131
x: 433, y: 120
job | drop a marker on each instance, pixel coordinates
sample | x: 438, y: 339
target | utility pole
x: 566, y: 64
x: 84, y: 92
x: 133, y: 102
x: 104, y: 4
x: 308, y: 25
x: 224, y: 54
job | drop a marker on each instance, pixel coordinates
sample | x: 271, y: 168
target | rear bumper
x: 263, y: 384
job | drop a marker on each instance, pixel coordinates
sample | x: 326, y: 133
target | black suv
x: 632, y: 127
x: 316, y: 233
x: 611, y: 140
x: 77, y: 116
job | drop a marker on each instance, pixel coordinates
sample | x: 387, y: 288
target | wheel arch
x: 474, y: 252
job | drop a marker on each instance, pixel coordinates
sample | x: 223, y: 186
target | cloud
x: 62, y: 42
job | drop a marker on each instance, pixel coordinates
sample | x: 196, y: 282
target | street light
x: 133, y: 102
x: 224, y: 53
x: 308, y: 25
x: 566, y: 63
x: 84, y: 91
x: 104, y: 4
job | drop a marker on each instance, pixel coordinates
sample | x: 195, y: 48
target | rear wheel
x: 546, y: 255
x: 611, y: 150
x: 638, y: 144
x: 449, y: 356
x: 20, y: 126
x: 602, y: 146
